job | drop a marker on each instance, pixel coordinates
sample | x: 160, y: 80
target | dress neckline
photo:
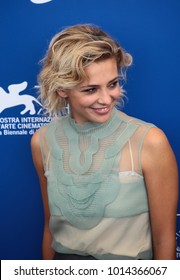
x: 91, y: 127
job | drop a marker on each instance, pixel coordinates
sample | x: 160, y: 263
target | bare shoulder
x: 156, y: 139
x: 35, y: 140
x: 36, y: 152
x: 157, y: 151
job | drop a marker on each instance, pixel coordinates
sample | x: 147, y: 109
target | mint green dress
x: 96, y: 189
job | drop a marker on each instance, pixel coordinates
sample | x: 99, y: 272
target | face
x: 94, y: 99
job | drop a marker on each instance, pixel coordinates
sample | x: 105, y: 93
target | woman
x: 108, y: 181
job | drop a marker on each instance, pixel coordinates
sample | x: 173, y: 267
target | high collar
x: 92, y: 127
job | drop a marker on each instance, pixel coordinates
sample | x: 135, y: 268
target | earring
x: 67, y: 107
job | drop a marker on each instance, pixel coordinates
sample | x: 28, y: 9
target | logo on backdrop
x: 25, y: 109
x: 13, y: 98
x: 40, y: 1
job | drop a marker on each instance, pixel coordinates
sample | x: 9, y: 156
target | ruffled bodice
x: 95, y: 181
x: 84, y: 167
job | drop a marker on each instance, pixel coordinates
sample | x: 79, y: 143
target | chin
x: 102, y: 119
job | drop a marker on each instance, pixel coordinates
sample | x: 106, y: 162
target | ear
x: 62, y: 93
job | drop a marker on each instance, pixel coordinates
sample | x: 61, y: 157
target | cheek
x: 87, y: 101
x: 78, y: 101
x: 116, y: 93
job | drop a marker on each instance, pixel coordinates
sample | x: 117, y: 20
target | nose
x: 104, y: 97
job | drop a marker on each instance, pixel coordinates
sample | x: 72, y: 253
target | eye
x: 90, y: 90
x: 114, y: 84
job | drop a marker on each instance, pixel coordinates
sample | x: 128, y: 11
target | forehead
x: 101, y: 70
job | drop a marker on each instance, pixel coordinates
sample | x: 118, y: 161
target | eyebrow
x: 90, y: 86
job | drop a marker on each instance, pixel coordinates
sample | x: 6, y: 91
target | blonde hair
x: 69, y: 52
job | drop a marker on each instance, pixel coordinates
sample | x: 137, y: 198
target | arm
x: 48, y: 252
x: 161, y: 177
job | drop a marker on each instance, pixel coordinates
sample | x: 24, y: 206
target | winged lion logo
x: 13, y: 98
x: 40, y: 1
